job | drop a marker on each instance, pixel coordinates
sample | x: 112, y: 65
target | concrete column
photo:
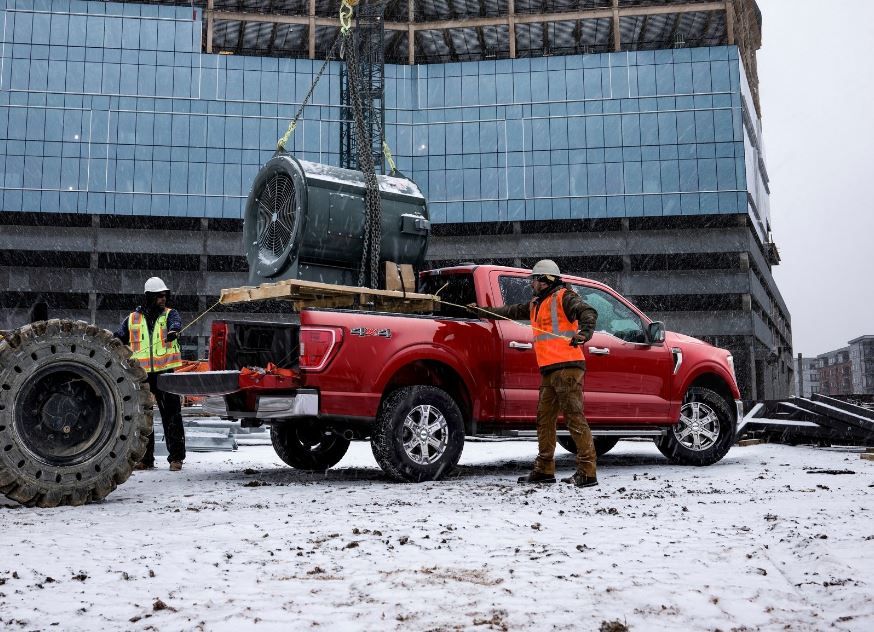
x: 202, y: 341
x: 754, y: 391
x: 312, y: 15
x: 93, y: 267
x: 617, y: 39
x: 92, y: 306
x: 800, y: 373
x: 210, y: 23
x: 511, y: 26
x: 411, y: 33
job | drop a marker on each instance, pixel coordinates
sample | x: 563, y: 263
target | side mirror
x: 655, y: 333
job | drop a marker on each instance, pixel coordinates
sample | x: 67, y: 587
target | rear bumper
x: 304, y: 403
x: 200, y: 384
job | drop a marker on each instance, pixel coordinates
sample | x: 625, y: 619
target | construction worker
x: 152, y: 332
x: 553, y: 311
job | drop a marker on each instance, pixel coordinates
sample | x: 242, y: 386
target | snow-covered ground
x: 239, y: 541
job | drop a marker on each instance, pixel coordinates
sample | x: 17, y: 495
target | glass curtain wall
x: 113, y: 108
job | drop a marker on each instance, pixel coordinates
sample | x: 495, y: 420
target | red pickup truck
x: 417, y: 384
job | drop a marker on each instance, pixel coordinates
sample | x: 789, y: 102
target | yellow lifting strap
x: 386, y: 151
x: 345, y: 26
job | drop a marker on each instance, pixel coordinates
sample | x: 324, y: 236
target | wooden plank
x: 303, y: 294
x: 746, y: 442
x: 399, y: 277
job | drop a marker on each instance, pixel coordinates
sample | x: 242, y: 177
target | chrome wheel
x: 425, y: 434
x: 698, y: 429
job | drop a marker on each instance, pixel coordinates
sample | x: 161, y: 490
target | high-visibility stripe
x: 152, y: 352
x: 554, y: 347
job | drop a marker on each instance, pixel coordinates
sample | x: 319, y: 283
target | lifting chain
x: 372, y: 202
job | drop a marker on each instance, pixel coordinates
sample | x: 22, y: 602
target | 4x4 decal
x: 371, y: 331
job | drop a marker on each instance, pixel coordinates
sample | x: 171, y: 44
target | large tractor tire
x: 75, y: 413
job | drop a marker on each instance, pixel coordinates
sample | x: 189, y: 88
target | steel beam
x: 511, y: 19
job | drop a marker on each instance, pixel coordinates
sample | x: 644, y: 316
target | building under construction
x: 621, y: 138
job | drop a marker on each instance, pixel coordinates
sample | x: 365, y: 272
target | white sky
x: 816, y: 72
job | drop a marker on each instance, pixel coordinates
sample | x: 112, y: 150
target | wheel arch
x: 716, y: 383
x: 436, y: 373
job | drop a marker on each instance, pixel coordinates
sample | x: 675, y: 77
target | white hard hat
x: 545, y: 267
x: 154, y: 284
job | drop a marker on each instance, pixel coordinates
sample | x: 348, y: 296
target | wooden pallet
x: 303, y: 294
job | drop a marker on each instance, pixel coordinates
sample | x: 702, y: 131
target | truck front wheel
x: 305, y: 446
x: 419, y: 434
x: 704, y: 432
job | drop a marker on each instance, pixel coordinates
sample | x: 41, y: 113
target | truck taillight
x: 218, y: 346
x: 316, y: 346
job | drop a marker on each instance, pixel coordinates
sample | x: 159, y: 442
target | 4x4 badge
x: 371, y: 331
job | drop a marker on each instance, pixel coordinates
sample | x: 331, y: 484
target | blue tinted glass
x: 612, y: 131
x: 597, y: 179
x: 594, y: 131
x: 631, y: 130
x: 701, y: 77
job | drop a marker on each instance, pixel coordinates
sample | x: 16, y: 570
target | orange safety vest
x: 554, y: 347
x: 152, y: 351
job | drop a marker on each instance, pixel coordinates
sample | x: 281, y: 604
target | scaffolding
x: 369, y: 39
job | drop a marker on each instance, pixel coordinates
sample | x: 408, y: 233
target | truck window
x: 459, y: 289
x: 515, y: 290
x: 614, y: 317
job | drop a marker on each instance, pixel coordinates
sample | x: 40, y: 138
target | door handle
x: 520, y: 345
x: 599, y: 350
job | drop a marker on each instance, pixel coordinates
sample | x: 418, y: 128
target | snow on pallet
x: 304, y: 294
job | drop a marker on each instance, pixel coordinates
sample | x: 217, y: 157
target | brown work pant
x: 562, y: 391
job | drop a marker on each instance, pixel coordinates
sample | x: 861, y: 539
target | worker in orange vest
x: 553, y: 312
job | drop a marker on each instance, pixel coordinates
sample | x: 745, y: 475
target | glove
x: 577, y: 339
x: 172, y: 336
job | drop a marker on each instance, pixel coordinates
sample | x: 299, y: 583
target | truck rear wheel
x: 305, y: 446
x: 602, y: 444
x: 419, y: 434
x: 704, y: 432
x: 75, y: 413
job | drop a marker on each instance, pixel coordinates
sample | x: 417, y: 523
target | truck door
x: 520, y: 376
x: 626, y: 379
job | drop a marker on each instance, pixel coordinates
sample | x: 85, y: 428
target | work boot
x: 175, y: 466
x: 581, y: 480
x: 535, y: 477
x: 143, y: 466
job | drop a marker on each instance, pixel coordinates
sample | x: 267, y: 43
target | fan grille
x: 276, y: 217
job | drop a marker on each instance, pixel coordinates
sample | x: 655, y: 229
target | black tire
x: 75, y: 413
x: 602, y: 444
x: 394, y: 446
x: 304, y: 445
x: 714, y: 433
